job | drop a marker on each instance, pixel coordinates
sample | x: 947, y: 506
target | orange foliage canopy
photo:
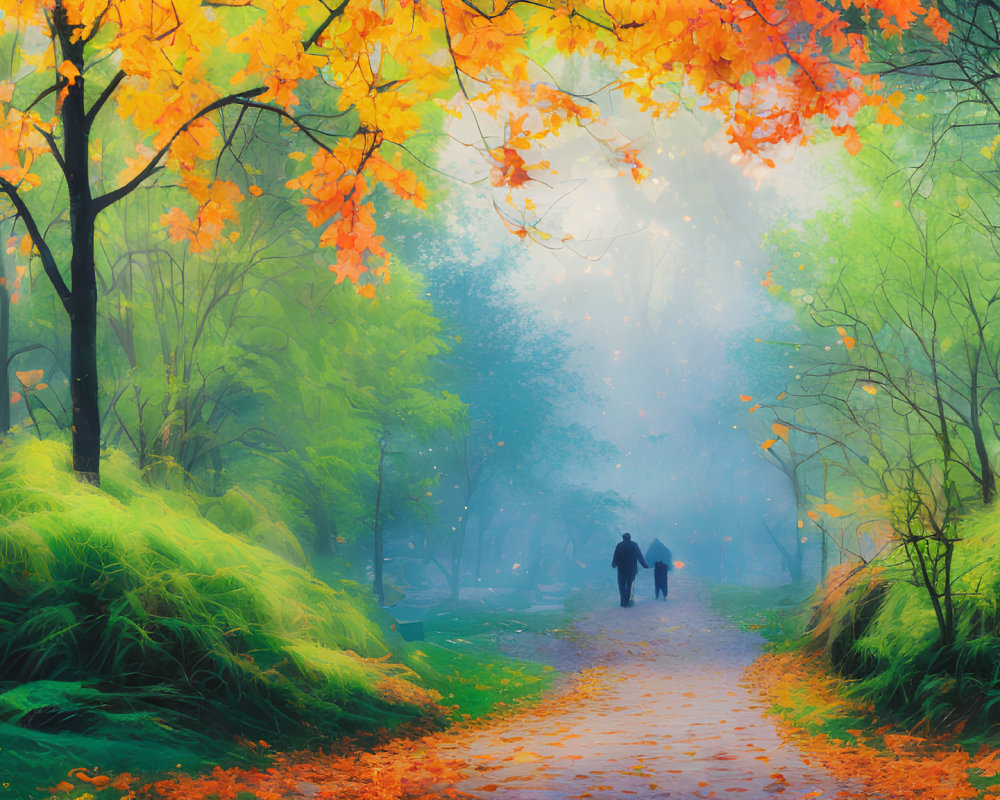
x: 166, y: 67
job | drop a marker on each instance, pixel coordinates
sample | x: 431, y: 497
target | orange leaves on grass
x: 94, y: 782
x: 404, y: 768
x: 887, y: 764
x: 907, y: 769
x: 415, y: 768
x: 793, y: 681
x: 97, y: 781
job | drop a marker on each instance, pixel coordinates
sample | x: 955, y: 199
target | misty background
x: 655, y: 289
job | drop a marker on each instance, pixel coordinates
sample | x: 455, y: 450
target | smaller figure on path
x: 660, y: 555
x: 660, y: 580
x: 626, y: 560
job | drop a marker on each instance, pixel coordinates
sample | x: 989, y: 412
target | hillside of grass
x: 135, y: 634
x: 874, y: 626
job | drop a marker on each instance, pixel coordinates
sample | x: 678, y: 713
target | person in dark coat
x: 626, y: 560
x: 659, y: 554
x: 660, y: 569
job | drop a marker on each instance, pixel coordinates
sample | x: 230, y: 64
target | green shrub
x: 131, y: 586
x: 882, y: 632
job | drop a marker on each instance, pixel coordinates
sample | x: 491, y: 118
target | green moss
x: 474, y: 679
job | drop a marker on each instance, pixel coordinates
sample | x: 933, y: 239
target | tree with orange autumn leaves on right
x: 351, y: 81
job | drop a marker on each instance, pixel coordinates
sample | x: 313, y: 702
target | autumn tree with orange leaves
x: 174, y: 78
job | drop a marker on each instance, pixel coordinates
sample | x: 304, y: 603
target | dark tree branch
x: 153, y: 165
x: 99, y: 103
x: 48, y: 260
x: 334, y: 14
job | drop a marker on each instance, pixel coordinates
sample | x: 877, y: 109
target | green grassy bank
x: 874, y: 626
x: 136, y: 635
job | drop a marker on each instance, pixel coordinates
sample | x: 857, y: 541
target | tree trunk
x: 824, y: 555
x: 83, y: 303
x: 457, y: 546
x: 795, y: 564
x: 322, y: 541
x: 377, y: 545
x: 479, y: 554
x: 5, y: 350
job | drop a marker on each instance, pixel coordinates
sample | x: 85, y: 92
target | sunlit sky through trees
x: 658, y: 285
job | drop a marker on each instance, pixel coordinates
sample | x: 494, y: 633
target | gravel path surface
x: 658, y: 712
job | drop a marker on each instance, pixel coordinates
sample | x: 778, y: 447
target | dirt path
x: 659, y: 713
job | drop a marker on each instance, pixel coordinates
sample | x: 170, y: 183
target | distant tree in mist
x: 511, y: 369
x: 344, y: 423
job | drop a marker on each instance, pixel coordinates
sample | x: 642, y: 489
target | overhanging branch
x: 48, y: 260
x: 153, y: 165
x: 334, y: 14
x: 105, y: 96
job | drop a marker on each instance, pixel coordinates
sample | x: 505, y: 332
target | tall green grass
x: 132, y: 587
x: 882, y: 633
x: 142, y: 629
